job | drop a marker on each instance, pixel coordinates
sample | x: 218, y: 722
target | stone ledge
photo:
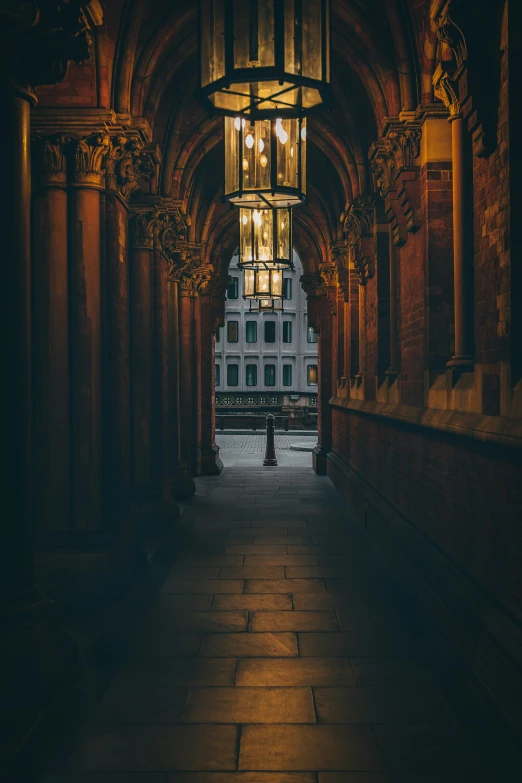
x: 503, y: 430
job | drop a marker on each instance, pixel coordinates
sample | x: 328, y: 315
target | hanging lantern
x: 266, y: 305
x: 265, y: 162
x: 265, y: 58
x: 263, y: 282
x: 265, y: 236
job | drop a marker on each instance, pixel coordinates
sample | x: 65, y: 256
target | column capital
x: 88, y: 155
x: 313, y: 284
x: 146, y: 224
x: 130, y: 164
x: 446, y: 90
x: 52, y: 154
x: 358, y: 224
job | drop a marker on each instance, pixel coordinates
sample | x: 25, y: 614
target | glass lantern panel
x: 249, y: 283
x: 303, y: 132
x: 291, y: 62
x: 311, y: 39
x: 287, y: 152
x: 263, y: 235
x: 256, y: 155
x: 253, y: 34
x: 232, y: 101
x: 283, y: 235
x: 277, y: 284
x: 263, y: 283
x: 232, y: 153
x: 212, y: 41
x: 246, y: 255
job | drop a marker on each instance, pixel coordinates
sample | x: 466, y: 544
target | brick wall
x: 463, y: 496
x: 411, y: 318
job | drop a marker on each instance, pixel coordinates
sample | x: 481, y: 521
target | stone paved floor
x: 255, y: 444
x: 276, y: 652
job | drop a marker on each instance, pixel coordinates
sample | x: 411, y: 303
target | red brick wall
x: 465, y: 497
x: 411, y: 318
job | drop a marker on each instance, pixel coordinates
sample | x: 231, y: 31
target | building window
x: 287, y: 288
x: 311, y: 371
x: 218, y: 335
x: 251, y: 375
x: 232, y: 375
x: 218, y: 375
x: 270, y: 331
x: 251, y: 331
x: 233, y: 288
x: 311, y: 335
x: 287, y: 374
x: 270, y: 375
x: 287, y: 331
x: 232, y: 331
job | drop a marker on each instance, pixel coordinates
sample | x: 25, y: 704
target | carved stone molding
x: 395, y: 172
x: 51, y: 160
x: 313, y: 284
x: 39, y: 38
x: 474, y: 40
x: 87, y: 157
x: 146, y: 226
x: 358, y: 223
x: 447, y: 91
x: 339, y: 253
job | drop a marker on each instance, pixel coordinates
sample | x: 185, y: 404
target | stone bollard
x: 270, y: 455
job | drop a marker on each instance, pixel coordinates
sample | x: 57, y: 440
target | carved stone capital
x: 339, y: 253
x: 313, y: 284
x: 446, y: 91
x: 51, y: 160
x: 87, y: 159
x: 358, y: 219
x: 329, y: 274
x: 39, y: 38
x: 146, y: 226
x: 129, y: 165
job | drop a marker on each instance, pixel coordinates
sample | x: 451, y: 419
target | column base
x: 320, y: 461
x: 211, y: 464
x: 464, y: 362
x: 181, y: 483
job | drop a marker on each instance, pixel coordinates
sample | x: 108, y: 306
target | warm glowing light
x: 261, y: 145
x: 263, y: 160
x: 237, y: 123
x: 249, y: 141
x: 245, y: 220
x: 303, y: 133
x: 245, y: 164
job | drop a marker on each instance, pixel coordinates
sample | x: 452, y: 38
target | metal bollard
x: 270, y: 459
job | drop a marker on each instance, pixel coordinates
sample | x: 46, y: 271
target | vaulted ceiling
x: 376, y: 73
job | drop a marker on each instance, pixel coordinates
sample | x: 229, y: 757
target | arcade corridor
x: 355, y: 615
x: 276, y: 645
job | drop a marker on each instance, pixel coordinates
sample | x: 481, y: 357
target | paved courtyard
x: 248, y: 449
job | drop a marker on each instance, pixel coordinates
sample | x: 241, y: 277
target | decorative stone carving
x: 339, y: 254
x: 88, y: 156
x: 313, y: 284
x: 51, y: 160
x: 358, y: 222
x: 146, y: 225
x: 129, y: 165
x: 446, y: 90
x: 39, y: 38
x: 448, y: 31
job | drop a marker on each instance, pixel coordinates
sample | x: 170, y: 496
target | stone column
x: 151, y: 504
x: 188, y: 290
x: 35, y: 654
x: 463, y: 260
x: 196, y: 376
x: 210, y: 461
x: 181, y: 482
x: 50, y: 298
x: 393, y: 369
x: 85, y: 332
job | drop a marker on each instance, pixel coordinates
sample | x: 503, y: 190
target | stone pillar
x: 324, y: 419
x: 463, y: 260
x: 85, y: 332
x: 393, y: 369
x: 187, y: 293
x: 151, y: 499
x: 50, y: 298
x: 181, y: 483
x: 35, y: 654
x: 210, y: 461
x: 196, y: 376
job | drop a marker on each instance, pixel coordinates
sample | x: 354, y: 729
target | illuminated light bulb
x: 265, y: 234
x: 264, y: 253
x: 303, y: 133
x: 291, y: 152
x: 261, y: 145
x: 249, y: 141
x: 263, y: 160
x: 245, y: 164
x: 257, y: 218
x: 283, y: 136
x: 282, y: 224
x: 245, y: 220
x: 237, y: 123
